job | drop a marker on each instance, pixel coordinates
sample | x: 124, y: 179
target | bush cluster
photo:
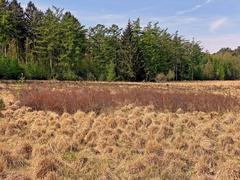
x: 10, y: 68
x: 98, y: 100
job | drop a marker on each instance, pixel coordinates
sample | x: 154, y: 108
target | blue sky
x: 216, y: 23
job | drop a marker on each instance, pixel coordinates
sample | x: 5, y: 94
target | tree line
x: 55, y: 45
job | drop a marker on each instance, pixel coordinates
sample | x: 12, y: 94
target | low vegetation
x: 120, y: 131
x: 98, y: 100
x: 2, y: 104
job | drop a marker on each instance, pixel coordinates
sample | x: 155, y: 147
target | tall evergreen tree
x: 33, y: 19
x: 178, y: 52
x: 73, y: 45
x: 102, y: 49
x: 5, y: 27
x: 131, y: 63
x: 18, y: 30
x: 48, y: 41
x: 96, y: 50
x: 156, y: 48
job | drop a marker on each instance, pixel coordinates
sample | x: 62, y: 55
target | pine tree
x: 73, y: 44
x: 18, y: 30
x: 112, y: 45
x: 178, y: 55
x: 156, y: 45
x: 48, y: 41
x: 95, y: 50
x: 130, y: 64
x: 33, y: 19
x: 5, y: 27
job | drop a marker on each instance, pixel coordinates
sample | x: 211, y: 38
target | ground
x: 128, y: 142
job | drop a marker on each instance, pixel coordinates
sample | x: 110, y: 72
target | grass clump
x: 47, y: 165
x: 2, y: 104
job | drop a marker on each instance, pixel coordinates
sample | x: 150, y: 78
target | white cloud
x: 122, y: 19
x: 194, y: 8
x: 217, y: 24
x: 215, y: 43
x: 91, y: 19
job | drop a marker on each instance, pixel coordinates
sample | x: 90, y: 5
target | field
x: 85, y: 130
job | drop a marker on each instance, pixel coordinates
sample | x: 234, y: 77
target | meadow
x: 85, y: 130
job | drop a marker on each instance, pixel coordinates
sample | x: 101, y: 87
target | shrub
x: 88, y: 99
x: 69, y: 101
x: 36, y: 71
x: 170, y: 75
x: 161, y: 77
x: 111, y: 74
x: 10, y: 68
x: 69, y: 76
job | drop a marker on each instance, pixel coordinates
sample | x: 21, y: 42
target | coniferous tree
x: 156, y: 48
x: 5, y: 27
x: 131, y: 63
x: 102, y: 51
x: 178, y: 52
x: 18, y: 30
x: 73, y: 46
x: 111, y: 49
x: 33, y: 18
x: 48, y: 41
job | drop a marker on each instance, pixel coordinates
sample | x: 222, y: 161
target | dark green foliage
x: 36, y: 71
x: 10, y: 69
x: 54, y: 45
x: 156, y: 45
x: 111, y: 73
x: 18, y: 30
x: 130, y: 65
x: 102, y: 50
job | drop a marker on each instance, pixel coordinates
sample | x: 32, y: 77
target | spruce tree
x: 73, y: 45
x: 48, y: 41
x: 18, y: 30
x: 130, y: 66
x: 33, y: 19
x: 5, y: 27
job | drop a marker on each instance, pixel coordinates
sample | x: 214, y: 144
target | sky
x: 215, y: 23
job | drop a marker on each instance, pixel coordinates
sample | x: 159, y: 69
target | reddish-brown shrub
x: 88, y: 99
x: 70, y: 101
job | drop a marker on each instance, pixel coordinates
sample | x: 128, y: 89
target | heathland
x: 79, y: 130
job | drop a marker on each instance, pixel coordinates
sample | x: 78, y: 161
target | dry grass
x: 46, y: 166
x: 130, y: 141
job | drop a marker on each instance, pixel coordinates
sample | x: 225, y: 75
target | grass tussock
x: 20, y: 177
x: 25, y: 150
x: 10, y: 160
x: 98, y: 100
x: 47, y: 165
x: 131, y: 142
x: 2, y: 104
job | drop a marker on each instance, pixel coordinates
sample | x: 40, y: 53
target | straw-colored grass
x: 125, y: 142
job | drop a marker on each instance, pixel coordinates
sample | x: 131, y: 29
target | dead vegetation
x: 2, y: 104
x: 130, y: 141
x: 85, y: 99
